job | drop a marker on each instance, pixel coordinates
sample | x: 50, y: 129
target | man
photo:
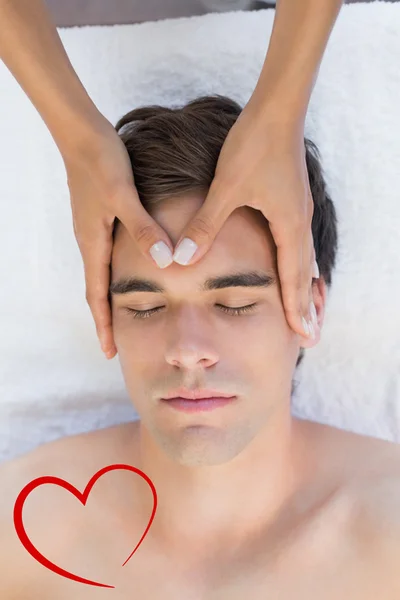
x: 249, y: 499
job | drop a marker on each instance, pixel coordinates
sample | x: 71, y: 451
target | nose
x: 190, y: 358
x: 192, y: 342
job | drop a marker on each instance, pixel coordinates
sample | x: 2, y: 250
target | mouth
x: 197, y: 405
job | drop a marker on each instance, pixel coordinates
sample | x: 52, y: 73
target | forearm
x: 33, y: 52
x: 298, y: 41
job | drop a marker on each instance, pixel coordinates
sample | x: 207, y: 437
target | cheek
x: 130, y: 333
x: 267, y: 344
x: 138, y: 351
x: 265, y: 337
x: 139, y: 365
x: 267, y: 360
x: 135, y: 344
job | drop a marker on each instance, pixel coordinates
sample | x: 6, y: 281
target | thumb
x: 198, y: 236
x: 151, y: 239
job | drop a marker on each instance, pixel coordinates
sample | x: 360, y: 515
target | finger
x: 308, y: 266
x: 151, y: 239
x: 96, y: 260
x: 289, y: 243
x: 203, y: 227
x: 307, y: 297
x: 308, y: 251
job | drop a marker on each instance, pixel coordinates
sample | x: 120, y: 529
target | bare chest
x: 320, y: 559
x: 330, y: 578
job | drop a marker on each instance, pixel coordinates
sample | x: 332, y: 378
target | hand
x: 262, y: 165
x: 101, y: 185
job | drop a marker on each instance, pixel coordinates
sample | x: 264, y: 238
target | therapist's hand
x: 262, y: 165
x: 101, y: 185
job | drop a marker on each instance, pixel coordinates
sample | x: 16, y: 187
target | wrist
x: 80, y: 134
x: 282, y: 99
x: 274, y: 115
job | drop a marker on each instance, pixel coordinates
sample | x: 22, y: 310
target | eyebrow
x: 257, y: 278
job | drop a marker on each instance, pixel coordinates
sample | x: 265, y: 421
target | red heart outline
x: 24, y: 493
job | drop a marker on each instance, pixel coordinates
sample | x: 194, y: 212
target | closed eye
x: 240, y: 310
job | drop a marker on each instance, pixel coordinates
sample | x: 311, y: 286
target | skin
x: 97, y: 166
x: 250, y: 453
x: 250, y: 499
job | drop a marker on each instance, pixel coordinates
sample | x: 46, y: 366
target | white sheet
x: 54, y: 380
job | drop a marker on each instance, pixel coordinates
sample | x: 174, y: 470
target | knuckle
x: 292, y: 227
x: 99, y: 307
x: 292, y: 282
x: 202, y: 227
x: 90, y: 296
x: 89, y: 299
x: 145, y: 234
x: 292, y: 300
x: 292, y: 311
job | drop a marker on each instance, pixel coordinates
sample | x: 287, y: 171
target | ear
x: 319, y: 297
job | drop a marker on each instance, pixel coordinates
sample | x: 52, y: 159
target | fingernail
x: 109, y: 354
x: 161, y: 254
x: 185, y: 251
x: 305, y: 326
x: 312, y: 331
x: 315, y: 270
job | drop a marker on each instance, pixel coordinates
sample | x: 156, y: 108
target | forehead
x: 244, y: 239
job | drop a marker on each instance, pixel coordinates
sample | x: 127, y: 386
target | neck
x: 231, y: 502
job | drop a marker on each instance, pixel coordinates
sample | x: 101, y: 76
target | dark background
x: 68, y: 13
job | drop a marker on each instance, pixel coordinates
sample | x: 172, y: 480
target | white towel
x: 54, y: 380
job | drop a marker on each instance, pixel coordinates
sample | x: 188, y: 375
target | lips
x: 199, y: 394
x: 202, y: 404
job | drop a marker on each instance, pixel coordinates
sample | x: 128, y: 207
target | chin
x: 200, y: 445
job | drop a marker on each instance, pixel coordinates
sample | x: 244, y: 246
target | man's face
x: 192, y: 342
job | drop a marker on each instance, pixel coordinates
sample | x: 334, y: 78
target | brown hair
x: 174, y: 151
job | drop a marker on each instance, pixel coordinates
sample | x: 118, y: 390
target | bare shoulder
x: 379, y: 492
x: 371, y: 482
x: 368, y: 469
x: 378, y: 519
x: 15, y: 475
x: 375, y: 472
x: 73, y: 458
